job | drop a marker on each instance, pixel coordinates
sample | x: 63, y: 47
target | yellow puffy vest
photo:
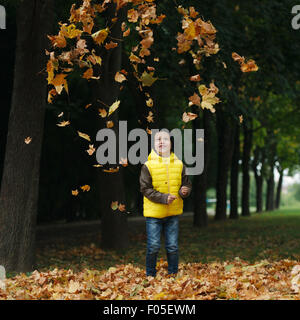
x: 166, y: 178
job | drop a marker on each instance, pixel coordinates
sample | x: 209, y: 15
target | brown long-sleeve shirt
x: 149, y: 192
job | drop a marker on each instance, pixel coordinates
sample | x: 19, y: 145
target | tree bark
x: 245, y: 167
x: 225, y: 148
x: 278, y: 191
x: 258, y: 179
x: 270, y: 190
x: 234, y: 178
x: 114, y: 228
x: 20, y: 181
x: 200, y: 181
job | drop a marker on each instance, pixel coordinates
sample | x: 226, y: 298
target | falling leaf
x: 122, y: 207
x: 85, y: 187
x: 134, y: 58
x: 147, y: 79
x: 188, y: 116
x: 195, y: 99
x: 111, y: 170
x: 113, y: 107
x: 60, y: 115
x: 110, y: 45
x: 114, y: 205
x: 109, y: 124
x: 97, y: 165
x: 58, y: 41
x: 84, y: 135
x: 150, y: 117
x: 75, y: 192
x: 52, y: 93
x: 241, y: 118
x: 126, y: 33
x: 91, y: 149
x: 119, y: 77
x: 149, y: 103
x: 70, y: 31
x: 124, y: 162
x: 27, y: 140
x: 63, y: 123
x: 100, y: 36
x: 132, y: 15
x: 250, y: 66
x: 195, y: 78
x: 102, y: 112
x: 60, y: 83
x: 88, y: 74
x: 87, y: 106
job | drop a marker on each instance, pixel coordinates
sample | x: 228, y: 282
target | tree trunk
x: 278, y: 191
x: 245, y: 167
x: 200, y: 184
x: 20, y: 181
x: 270, y: 191
x: 225, y: 148
x: 258, y: 179
x: 234, y: 178
x: 114, y: 228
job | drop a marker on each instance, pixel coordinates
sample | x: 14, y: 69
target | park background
x: 49, y: 183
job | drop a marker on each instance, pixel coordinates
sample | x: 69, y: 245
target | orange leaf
x: 111, y: 45
x: 111, y: 170
x: 188, y: 116
x: 119, y: 77
x: 85, y: 187
x: 195, y: 77
x: 195, y: 99
x: 88, y: 74
x: 109, y: 124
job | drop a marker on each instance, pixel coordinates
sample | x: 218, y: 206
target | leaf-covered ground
x: 251, y: 258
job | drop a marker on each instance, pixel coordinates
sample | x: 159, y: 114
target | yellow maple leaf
x: 100, y: 36
x: 147, y: 79
x: 70, y: 31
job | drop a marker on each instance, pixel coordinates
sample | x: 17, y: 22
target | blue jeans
x: 154, y: 228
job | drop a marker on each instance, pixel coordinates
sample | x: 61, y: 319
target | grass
x: 269, y: 235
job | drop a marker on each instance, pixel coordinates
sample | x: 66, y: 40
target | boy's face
x: 162, y: 143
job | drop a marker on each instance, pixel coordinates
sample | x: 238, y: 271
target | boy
x: 164, y: 184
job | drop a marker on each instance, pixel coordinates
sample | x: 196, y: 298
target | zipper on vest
x: 168, y: 183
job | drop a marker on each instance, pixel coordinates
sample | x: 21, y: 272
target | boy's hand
x: 171, y: 198
x: 184, y: 190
